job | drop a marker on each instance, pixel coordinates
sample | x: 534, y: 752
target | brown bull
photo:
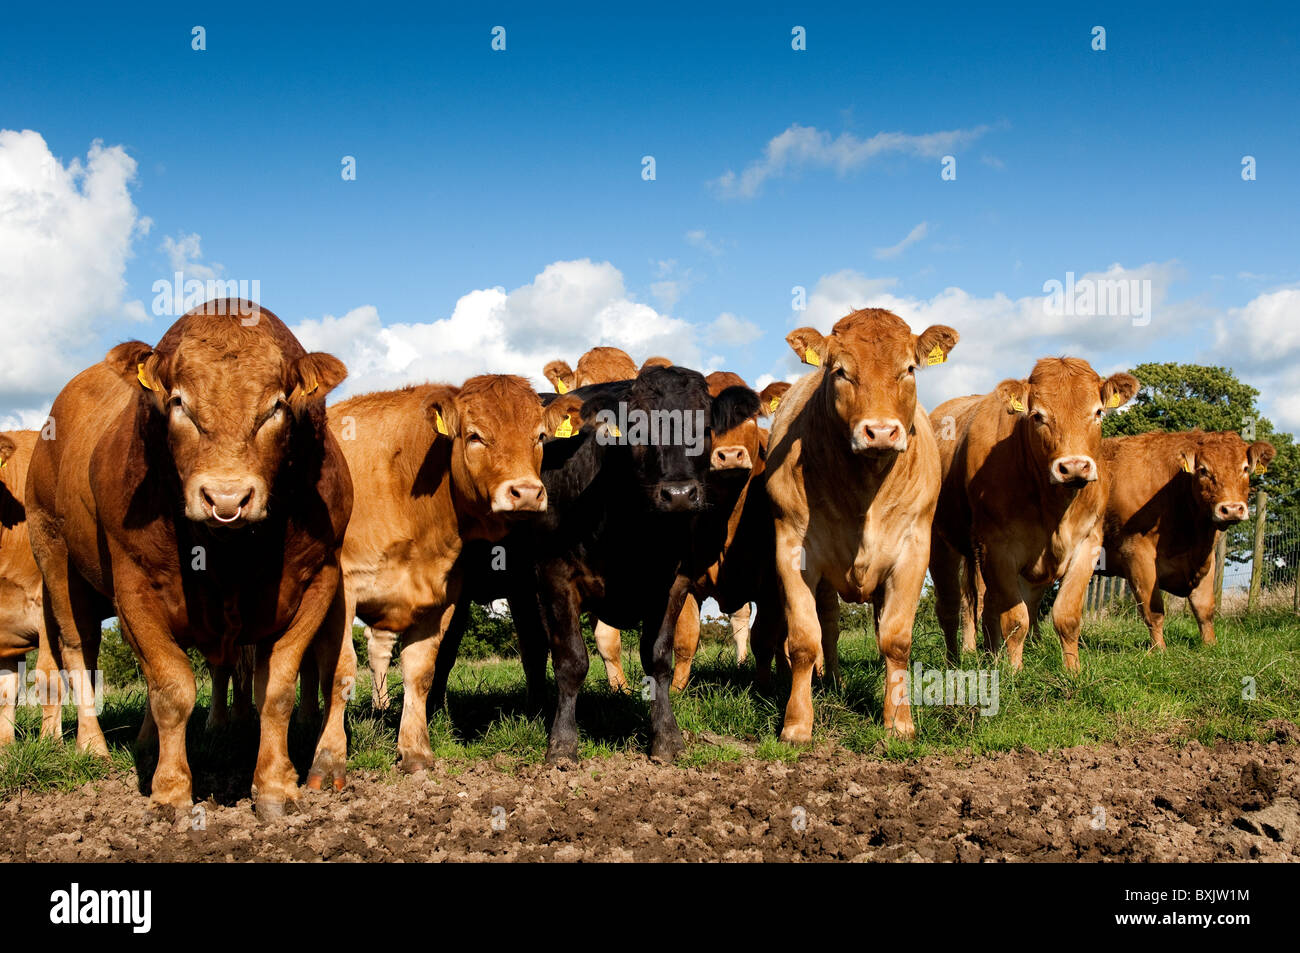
x: 435, y: 467
x: 1024, y: 489
x: 1171, y: 494
x: 600, y: 365
x: 852, y: 479
x: 22, y: 624
x: 194, y: 488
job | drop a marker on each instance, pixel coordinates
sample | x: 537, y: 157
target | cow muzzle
x: 679, y: 496
x: 1073, y: 471
x: 228, y: 503
x: 731, y: 458
x: 1230, y: 512
x: 519, y: 496
x: 877, y: 435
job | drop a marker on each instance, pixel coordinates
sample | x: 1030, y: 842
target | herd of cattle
x: 201, y: 491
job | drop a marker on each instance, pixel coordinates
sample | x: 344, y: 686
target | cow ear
x: 732, y: 407
x: 1259, y: 455
x: 314, y: 376
x: 771, y: 395
x: 933, y: 345
x: 560, y: 375
x: 1187, y: 460
x: 562, y: 417
x: 440, y: 408
x: 138, y: 364
x: 7, y: 448
x: 1118, y: 389
x: 808, y: 344
x: 1014, y: 395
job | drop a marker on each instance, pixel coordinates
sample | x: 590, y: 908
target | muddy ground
x: 1153, y: 801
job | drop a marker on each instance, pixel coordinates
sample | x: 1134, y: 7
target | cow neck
x: 1182, y: 536
x: 1054, y: 499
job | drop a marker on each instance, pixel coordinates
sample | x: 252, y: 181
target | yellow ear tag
x: 1017, y: 406
x: 1115, y: 400
x: 614, y: 431
x: 438, y: 422
x: 139, y: 375
x: 771, y: 408
x: 561, y: 387
x: 1187, y: 465
x: 565, y: 429
x: 1258, y: 468
x: 936, y: 356
x: 810, y: 357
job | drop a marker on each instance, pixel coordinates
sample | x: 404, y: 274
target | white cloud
x: 65, y: 236
x: 1261, y: 343
x: 727, y: 330
x: 699, y: 238
x: 184, y: 252
x: 566, y: 309
x: 801, y: 146
x: 912, y: 237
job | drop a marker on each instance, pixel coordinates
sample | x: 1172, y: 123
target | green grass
x: 1122, y: 694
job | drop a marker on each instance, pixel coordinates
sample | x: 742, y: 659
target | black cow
x: 627, y: 499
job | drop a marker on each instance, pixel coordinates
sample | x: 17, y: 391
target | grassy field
x: 1123, y: 693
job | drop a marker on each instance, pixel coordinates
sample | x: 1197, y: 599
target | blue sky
x: 480, y: 170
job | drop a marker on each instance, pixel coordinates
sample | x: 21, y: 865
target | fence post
x: 1257, y: 559
x: 1220, y: 557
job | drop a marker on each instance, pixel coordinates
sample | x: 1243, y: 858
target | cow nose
x: 227, y: 502
x: 1230, y: 512
x: 1074, y: 470
x: 520, y: 496
x: 731, y: 458
x: 880, y: 435
x: 679, y: 496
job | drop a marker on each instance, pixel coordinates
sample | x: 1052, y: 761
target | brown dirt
x: 1161, y: 802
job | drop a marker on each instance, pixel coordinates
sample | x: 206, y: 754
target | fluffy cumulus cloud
x: 66, y: 232
x: 1261, y: 342
x: 567, y: 308
x: 800, y: 147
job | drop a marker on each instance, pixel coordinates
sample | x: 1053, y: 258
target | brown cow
x: 1023, y: 495
x: 435, y: 467
x: 852, y: 480
x: 1171, y: 494
x: 194, y: 487
x: 22, y: 624
x: 600, y: 365
x: 650, y: 362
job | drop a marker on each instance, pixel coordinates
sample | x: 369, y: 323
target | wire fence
x: 1257, y: 565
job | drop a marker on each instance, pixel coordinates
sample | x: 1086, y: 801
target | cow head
x: 495, y: 425
x: 231, y: 387
x: 560, y: 374
x: 1060, y: 408
x: 735, y: 449
x: 870, y: 360
x: 670, y: 420
x: 7, y: 448
x: 601, y: 365
x: 772, y: 395
x: 655, y: 362
x: 1219, y: 466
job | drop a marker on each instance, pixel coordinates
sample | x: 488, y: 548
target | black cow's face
x: 667, y: 420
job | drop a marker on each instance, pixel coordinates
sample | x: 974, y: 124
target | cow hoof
x: 268, y: 810
x: 666, y: 750
x: 327, y: 766
x: 414, y: 763
x: 164, y: 812
x: 796, y: 735
x: 561, y: 753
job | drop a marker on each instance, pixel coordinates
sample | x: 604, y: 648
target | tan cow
x: 600, y: 365
x: 1024, y: 490
x: 1171, y: 494
x: 22, y: 625
x: 435, y: 467
x: 194, y: 487
x: 852, y: 479
x: 656, y: 361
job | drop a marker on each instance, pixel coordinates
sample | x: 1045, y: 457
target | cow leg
x: 1033, y: 596
x: 1141, y: 576
x: 71, y: 612
x: 609, y: 643
x: 218, y: 712
x: 972, y: 594
x: 569, y: 653
x: 420, y: 646
x: 1067, y: 610
x: 828, y: 621
x: 803, y: 643
x: 336, y: 660
x: 946, y: 570
x: 766, y: 635
x: 241, y: 706
x: 1006, y: 618
x: 9, y: 687
x: 172, y: 691
x: 379, y: 650
x: 686, y: 641
x: 740, y: 632
x: 526, y: 611
x: 656, y: 659
x: 49, y: 684
x: 309, y: 701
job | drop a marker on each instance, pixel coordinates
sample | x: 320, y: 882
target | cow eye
x: 1099, y: 413
x: 841, y: 373
x: 474, y: 438
x: 1039, y: 417
x: 1203, y: 471
x: 174, y: 403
